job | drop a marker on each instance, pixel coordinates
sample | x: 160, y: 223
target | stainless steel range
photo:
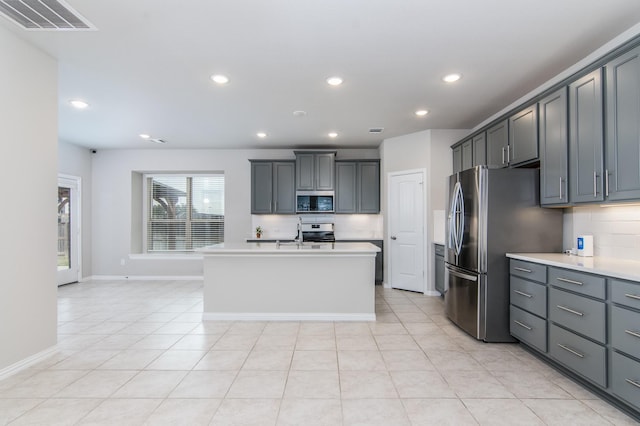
x: 318, y: 232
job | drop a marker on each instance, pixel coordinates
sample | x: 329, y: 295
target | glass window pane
x: 64, y: 228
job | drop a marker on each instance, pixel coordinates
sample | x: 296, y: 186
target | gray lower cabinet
x: 623, y: 130
x: 554, y: 148
x: 439, y: 267
x: 589, y: 324
x: 358, y: 186
x: 497, y: 142
x: 272, y: 187
x: 523, y: 136
x: 586, y: 139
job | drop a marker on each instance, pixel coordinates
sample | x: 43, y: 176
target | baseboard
x: 386, y: 285
x: 432, y: 293
x: 27, y: 362
x: 144, y: 278
x: 229, y: 316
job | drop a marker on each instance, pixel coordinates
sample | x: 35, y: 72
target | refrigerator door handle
x: 453, y: 232
x: 461, y: 274
x: 459, y: 217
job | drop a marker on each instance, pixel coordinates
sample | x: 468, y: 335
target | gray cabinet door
x: 284, y: 187
x: 467, y: 154
x: 554, y: 148
x: 585, y: 139
x: 305, y: 172
x: 368, y: 187
x: 261, y: 187
x: 623, y: 126
x: 523, y: 136
x: 325, y: 171
x: 497, y: 141
x: 457, y: 158
x: 479, y: 149
x: 346, y: 187
x: 439, y: 266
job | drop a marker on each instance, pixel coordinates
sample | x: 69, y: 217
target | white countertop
x: 617, y: 268
x: 306, y: 248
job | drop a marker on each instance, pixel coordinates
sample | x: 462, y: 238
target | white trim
x: 432, y: 293
x: 165, y: 256
x: 386, y: 285
x: 27, y: 362
x: 145, y: 278
x: 231, y: 316
x: 425, y: 235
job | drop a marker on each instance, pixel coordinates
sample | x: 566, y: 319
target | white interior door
x: 406, y: 231
x: 68, y: 230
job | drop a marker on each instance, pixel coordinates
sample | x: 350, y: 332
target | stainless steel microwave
x: 315, y: 201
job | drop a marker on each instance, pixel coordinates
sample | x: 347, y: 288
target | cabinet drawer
x: 585, y: 316
x: 625, y: 293
x: 584, y: 357
x: 528, y: 328
x: 625, y: 378
x: 625, y: 330
x: 529, y: 296
x: 528, y: 270
x: 590, y: 285
x: 439, y: 250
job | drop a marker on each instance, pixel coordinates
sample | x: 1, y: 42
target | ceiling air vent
x: 44, y: 15
x: 376, y: 130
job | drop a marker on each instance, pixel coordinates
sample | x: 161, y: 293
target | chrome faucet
x: 299, y: 238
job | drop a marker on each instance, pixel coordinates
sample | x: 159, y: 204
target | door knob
x: 394, y: 238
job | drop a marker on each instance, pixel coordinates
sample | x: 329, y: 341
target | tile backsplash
x: 615, y: 229
x: 347, y: 226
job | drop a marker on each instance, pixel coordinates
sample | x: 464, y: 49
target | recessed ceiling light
x: 334, y: 81
x: 422, y: 112
x: 332, y: 135
x: 299, y: 113
x: 79, y: 104
x: 220, y: 79
x: 261, y: 135
x: 450, y: 78
x: 144, y: 136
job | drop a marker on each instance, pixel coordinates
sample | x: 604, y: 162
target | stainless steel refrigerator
x: 491, y: 212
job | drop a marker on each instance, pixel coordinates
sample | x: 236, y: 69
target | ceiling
x: 147, y: 67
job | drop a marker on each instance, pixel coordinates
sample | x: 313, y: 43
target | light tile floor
x: 133, y: 353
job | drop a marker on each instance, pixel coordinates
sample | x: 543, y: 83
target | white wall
x: 115, y: 173
x: 615, y: 230
x: 28, y: 171
x: 430, y: 150
x: 75, y: 160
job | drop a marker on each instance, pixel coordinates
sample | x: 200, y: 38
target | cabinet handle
x: 523, y: 325
x: 517, y: 268
x: 595, y: 184
x: 564, y: 308
x: 633, y: 333
x: 503, y: 155
x: 561, y: 188
x: 633, y: 382
x: 508, y: 153
x: 566, y: 280
x: 522, y: 293
x: 606, y: 182
x: 578, y: 354
x: 633, y: 296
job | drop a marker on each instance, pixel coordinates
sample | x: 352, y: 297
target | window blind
x: 184, y: 212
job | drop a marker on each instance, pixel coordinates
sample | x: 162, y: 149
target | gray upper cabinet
x: 315, y: 171
x: 479, y: 149
x: 554, y: 147
x: 497, y: 142
x: 585, y: 139
x: 358, y: 186
x: 523, y: 136
x: 457, y: 158
x: 623, y: 126
x: 272, y: 187
x: 346, y: 186
x: 467, y: 154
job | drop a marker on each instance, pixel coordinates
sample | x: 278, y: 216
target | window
x: 184, y: 212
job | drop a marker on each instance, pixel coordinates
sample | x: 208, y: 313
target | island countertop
x: 291, y: 248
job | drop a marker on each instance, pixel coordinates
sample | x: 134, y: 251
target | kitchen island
x: 289, y: 281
